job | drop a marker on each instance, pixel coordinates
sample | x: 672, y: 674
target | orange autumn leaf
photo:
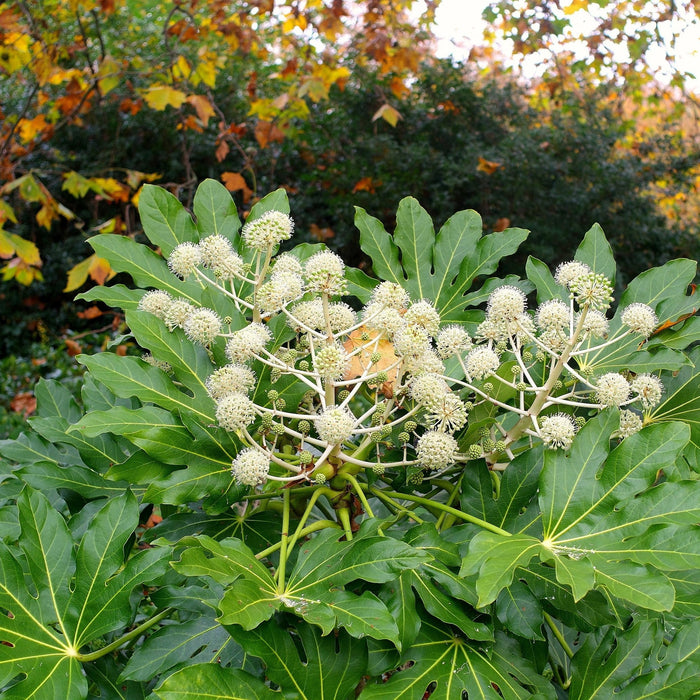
x: 366, y: 184
x: 24, y: 403
x: 361, y: 361
x: 321, y: 234
x: 73, y: 348
x: 202, y: 106
x: 488, y: 166
x: 90, y: 313
x: 267, y: 132
x: 235, y: 182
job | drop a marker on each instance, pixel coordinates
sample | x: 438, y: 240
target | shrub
x: 434, y: 482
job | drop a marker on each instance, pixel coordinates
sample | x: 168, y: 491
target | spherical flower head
x: 341, y: 316
x: 390, y: 295
x: 234, y: 411
x: 612, y: 389
x: 505, y: 303
x: 425, y: 362
x: 554, y: 339
x: 331, y: 361
x: 557, y: 431
x: 230, y: 379
x: 481, y: 362
x: 640, y: 318
x: 592, y: 290
x: 286, y: 262
x: 491, y: 330
x: 228, y: 266
x: 411, y: 340
x: 423, y: 315
x: 436, y: 450
x: 447, y: 413
x: 648, y: 388
x: 381, y: 318
x: 214, y: 248
x: 244, y: 344
x: 282, y: 288
x: 155, y: 302
x: 325, y: 273
x: 184, y: 259
x: 335, y: 425
x: 630, y: 423
x: 202, y: 326
x: 250, y: 467
x: 552, y: 314
x: 568, y: 272
x: 427, y: 388
x: 177, y: 313
x: 452, y: 340
x: 596, y: 324
x: 306, y: 314
x: 268, y: 230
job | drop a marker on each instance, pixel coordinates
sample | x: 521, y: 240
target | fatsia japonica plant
x: 426, y: 483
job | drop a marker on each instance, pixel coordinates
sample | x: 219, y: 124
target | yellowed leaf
x: 159, y: 97
x: 388, y: 113
x: 202, y: 106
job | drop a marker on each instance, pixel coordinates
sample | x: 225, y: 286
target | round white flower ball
x: 230, y: 379
x: 234, y: 411
x: 335, y: 425
x: 640, y: 318
x: 557, y: 431
x: 184, y: 259
x: 481, y: 362
x: 649, y: 389
x: 612, y: 389
x: 505, y: 303
x: 202, y: 326
x: 250, y: 467
x: 268, y: 230
x: 436, y: 450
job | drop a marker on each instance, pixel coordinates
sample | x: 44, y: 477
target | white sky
x: 459, y: 26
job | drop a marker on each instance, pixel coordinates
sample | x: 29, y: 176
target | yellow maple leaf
x: 388, y: 113
x: 159, y: 97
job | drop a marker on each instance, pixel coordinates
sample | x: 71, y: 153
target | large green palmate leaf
x: 52, y: 620
x: 439, y: 267
x: 130, y: 376
x: 329, y: 669
x: 315, y: 587
x: 664, y: 289
x: 212, y: 682
x: 682, y: 402
x: 451, y: 667
x: 606, y: 663
x: 606, y: 524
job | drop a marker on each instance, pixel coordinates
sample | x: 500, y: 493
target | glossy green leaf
x: 117, y: 296
x: 215, y: 210
x: 540, y: 275
x: 331, y: 666
x: 605, y: 662
x: 47, y: 629
x: 165, y: 221
x: 519, y: 611
x: 676, y: 674
x: 130, y: 376
x: 220, y: 684
x: 455, y: 667
x: 495, y: 558
x: 596, y: 252
x: 148, y: 269
x: 401, y: 602
x: 440, y: 267
x: 189, y: 642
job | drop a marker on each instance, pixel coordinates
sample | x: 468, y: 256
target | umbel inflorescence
x: 388, y: 385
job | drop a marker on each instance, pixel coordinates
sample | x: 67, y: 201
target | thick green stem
x: 344, y: 517
x: 442, y: 521
x: 317, y: 525
x: 447, y: 509
x: 283, y: 543
x: 136, y: 632
x: 307, y: 512
x: 359, y: 491
x: 396, y: 507
x: 557, y: 633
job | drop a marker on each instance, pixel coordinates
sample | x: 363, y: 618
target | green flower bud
x: 304, y: 427
x: 410, y: 425
x: 304, y: 365
x: 305, y: 457
x: 474, y: 451
x: 404, y: 437
x: 273, y: 395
